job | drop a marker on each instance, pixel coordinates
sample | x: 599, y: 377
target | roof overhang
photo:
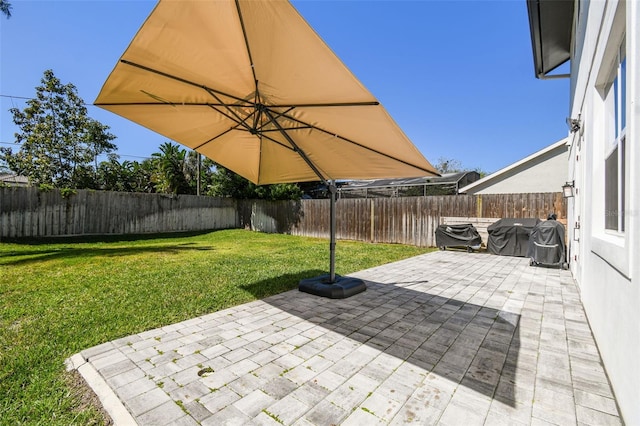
x: 550, y: 22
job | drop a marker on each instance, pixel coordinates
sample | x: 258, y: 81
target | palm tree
x: 142, y: 176
x: 5, y: 7
x: 171, y: 164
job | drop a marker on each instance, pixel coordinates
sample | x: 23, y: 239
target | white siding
x: 546, y: 173
x: 607, y: 264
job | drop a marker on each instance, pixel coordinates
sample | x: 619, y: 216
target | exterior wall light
x: 567, y: 189
x: 574, y: 124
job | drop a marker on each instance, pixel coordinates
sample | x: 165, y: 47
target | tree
x: 60, y: 142
x: 142, y: 175
x: 5, y: 8
x: 226, y: 183
x: 171, y: 166
x: 115, y: 176
x: 282, y: 191
x: 448, y: 165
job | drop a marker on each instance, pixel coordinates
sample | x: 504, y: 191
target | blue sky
x: 457, y: 76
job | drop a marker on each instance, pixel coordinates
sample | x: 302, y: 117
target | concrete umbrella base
x: 341, y: 288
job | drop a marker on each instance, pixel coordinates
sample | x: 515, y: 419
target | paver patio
x: 444, y: 338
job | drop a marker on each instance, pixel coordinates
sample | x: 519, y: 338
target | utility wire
x: 25, y: 98
x: 15, y: 97
x: 118, y: 154
x: 12, y: 97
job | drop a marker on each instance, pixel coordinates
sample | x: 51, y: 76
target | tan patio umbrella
x: 250, y: 85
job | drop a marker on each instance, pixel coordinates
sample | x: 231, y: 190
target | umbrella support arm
x: 295, y: 146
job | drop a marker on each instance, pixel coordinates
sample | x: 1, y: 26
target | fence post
x: 372, y: 220
x: 478, y: 205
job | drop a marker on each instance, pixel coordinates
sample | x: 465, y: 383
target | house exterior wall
x: 546, y: 173
x: 606, y: 263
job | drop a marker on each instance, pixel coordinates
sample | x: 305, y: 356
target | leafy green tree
x: 207, y: 168
x: 280, y: 191
x: 5, y: 8
x: 60, y: 142
x: 142, y: 176
x: 116, y: 176
x: 226, y: 183
x: 229, y: 184
x: 207, y: 173
x: 171, y: 166
x: 190, y: 170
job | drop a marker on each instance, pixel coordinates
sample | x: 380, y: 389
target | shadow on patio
x: 464, y: 343
x: 443, y: 338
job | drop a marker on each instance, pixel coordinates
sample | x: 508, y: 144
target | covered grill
x: 547, y: 244
x: 510, y: 236
x: 460, y: 235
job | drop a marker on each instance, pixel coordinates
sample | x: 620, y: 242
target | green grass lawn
x: 59, y: 297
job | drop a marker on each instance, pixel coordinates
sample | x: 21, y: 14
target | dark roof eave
x: 550, y: 23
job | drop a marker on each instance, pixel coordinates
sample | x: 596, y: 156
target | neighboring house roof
x: 448, y: 183
x: 550, y: 22
x: 448, y: 178
x: 13, y: 179
x: 525, y: 164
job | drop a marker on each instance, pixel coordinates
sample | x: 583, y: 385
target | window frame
x: 614, y: 205
x: 612, y: 246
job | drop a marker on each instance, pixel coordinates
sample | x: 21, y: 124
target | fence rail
x: 31, y: 213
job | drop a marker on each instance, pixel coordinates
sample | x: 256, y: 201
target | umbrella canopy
x: 250, y: 85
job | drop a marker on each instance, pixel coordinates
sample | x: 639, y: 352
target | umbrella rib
x: 182, y: 80
x: 277, y: 142
x: 311, y: 126
x: 286, y: 128
x: 212, y: 92
x: 296, y: 148
x: 213, y: 138
x: 166, y: 103
x: 238, y: 119
x: 281, y: 114
x: 333, y: 104
x: 234, y: 128
x: 257, y: 100
x: 220, y: 103
x: 234, y: 117
x: 246, y: 43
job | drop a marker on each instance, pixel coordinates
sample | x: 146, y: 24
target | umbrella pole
x: 332, y: 285
x: 332, y: 231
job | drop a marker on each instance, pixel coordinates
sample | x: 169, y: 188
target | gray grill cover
x: 510, y: 237
x: 462, y: 235
x: 546, y: 244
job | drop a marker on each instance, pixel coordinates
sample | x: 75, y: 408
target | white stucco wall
x: 606, y: 264
x: 546, y: 173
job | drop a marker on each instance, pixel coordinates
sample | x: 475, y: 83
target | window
x: 614, y: 185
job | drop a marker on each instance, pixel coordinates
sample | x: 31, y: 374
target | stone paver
x: 444, y: 338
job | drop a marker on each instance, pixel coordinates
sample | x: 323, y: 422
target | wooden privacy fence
x: 31, y: 213
x: 405, y: 220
